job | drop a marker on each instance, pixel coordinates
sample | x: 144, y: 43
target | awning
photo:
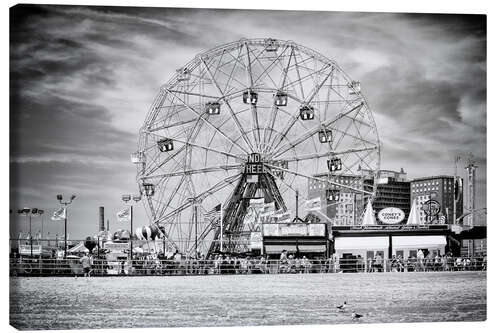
x: 418, y: 242
x: 312, y: 248
x: 270, y: 249
x: 362, y: 243
x: 80, y: 247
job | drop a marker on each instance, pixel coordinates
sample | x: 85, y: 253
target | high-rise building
x: 440, y: 189
x: 393, y: 190
x: 348, y: 210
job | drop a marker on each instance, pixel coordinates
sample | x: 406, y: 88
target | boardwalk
x: 108, y: 302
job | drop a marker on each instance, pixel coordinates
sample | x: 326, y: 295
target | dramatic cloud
x: 83, y: 78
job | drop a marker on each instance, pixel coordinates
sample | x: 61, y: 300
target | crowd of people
x: 287, y: 263
x: 177, y: 264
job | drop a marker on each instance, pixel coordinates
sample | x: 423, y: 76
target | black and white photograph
x: 209, y: 167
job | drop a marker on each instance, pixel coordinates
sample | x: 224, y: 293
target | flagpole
x: 131, y: 230
x: 221, y: 226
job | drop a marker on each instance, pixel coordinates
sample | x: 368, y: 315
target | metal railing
x: 156, y: 266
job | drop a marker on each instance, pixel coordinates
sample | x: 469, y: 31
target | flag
x: 313, y: 204
x: 59, y: 214
x: 123, y: 215
x: 213, y: 214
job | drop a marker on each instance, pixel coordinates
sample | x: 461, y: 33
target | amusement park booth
x: 309, y: 239
x: 388, y: 240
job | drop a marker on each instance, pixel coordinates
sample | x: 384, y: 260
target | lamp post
x: 40, y: 213
x: 65, y: 203
x: 126, y: 198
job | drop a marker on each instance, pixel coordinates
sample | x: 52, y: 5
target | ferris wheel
x: 252, y: 118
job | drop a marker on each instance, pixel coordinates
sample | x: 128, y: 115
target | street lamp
x: 40, y: 213
x: 126, y: 198
x: 65, y: 203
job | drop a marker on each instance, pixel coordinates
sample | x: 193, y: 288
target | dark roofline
x: 431, y: 177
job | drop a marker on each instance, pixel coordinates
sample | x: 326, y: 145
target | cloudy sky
x: 83, y: 78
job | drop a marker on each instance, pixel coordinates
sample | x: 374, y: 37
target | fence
x: 155, y: 266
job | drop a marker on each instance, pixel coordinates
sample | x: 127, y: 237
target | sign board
x: 431, y: 207
x: 316, y: 229
x: 25, y: 249
x: 116, y: 247
x: 255, y: 240
x: 393, y: 227
x: 391, y: 215
x: 294, y: 229
x: 271, y: 229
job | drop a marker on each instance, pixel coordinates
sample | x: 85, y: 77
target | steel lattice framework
x: 294, y: 107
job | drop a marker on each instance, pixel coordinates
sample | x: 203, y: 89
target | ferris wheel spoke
x: 317, y: 155
x: 213, y: 126
x: 207, y: 148
x: 301, y: 79
x: 313, y: 94
x: 310, y: 133
x: 217, y: 168
x: 316, y: 178
x: 345, y: 132
x: 233, y: 116
x: 231, y: 76
x: 179, y: 123
x: 214, y: 189
x: 274, y: 112
x: 165, y: 204
x: 253, y: 108
x: 257, y: 60
x: 153, y: 167
x: 271, y: 64
x: 307, y: 102
x: 191, y: 93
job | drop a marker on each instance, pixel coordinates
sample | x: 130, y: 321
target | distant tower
x: 471, y: 185
x: 101, y: 218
